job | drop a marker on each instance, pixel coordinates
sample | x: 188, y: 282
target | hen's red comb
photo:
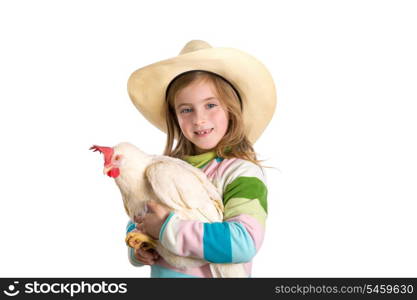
x: 107, y: 151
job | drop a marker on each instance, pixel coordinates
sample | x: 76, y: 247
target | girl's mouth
x: 202, y: 133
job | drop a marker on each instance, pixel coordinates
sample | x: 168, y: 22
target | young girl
x: 215, y: 123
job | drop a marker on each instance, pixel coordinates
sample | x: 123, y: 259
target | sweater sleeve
x: 235, y: 240
x: 130, y: 251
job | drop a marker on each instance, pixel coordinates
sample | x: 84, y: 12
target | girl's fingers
x: 144, y: 253
x: 146, y: 261
x: 140, y: 227
x: 145, y: 257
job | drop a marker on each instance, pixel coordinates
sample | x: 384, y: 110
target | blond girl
x: 213, y: 103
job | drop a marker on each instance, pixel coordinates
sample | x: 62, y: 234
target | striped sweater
x: 235, y: 240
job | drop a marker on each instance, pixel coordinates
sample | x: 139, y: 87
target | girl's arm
x: 238, y: 238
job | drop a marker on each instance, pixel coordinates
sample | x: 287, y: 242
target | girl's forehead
x: 196, y: 92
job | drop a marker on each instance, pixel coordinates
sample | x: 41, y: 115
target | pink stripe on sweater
x: 216, y: 169
x: 210, y: 169
x: 203, y: 271
x: 248, y: 268
x: 224, y: 165
x: 189, y: 241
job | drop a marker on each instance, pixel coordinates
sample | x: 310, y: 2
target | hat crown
x: 194, y: 45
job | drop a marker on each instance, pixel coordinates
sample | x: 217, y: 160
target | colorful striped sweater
x: 235, y: 240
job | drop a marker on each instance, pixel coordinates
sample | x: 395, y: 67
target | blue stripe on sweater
x: 130, y: 226
x: 162, y: 272
x: 217, y: 242
x: 243, y: 247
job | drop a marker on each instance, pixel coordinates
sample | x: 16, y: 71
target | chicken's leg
x: 137, y: 239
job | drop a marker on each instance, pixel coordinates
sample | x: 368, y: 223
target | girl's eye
x: 185, y: 110
x: 211, y: 105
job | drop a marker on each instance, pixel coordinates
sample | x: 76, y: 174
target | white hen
x: 183, y: 188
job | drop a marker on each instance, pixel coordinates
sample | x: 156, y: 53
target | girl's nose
x: 199, y: 118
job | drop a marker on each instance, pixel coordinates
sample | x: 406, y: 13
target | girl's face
x: 201, y: 116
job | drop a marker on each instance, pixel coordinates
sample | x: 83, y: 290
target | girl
x: 213, y: 123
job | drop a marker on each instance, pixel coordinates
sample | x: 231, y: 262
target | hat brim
x: 147, y: 86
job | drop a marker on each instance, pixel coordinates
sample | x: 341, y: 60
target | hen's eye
x: 117, y: 157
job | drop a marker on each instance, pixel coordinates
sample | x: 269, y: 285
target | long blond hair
x: 233, y: 144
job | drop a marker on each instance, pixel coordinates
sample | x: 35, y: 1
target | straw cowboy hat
x: 147, y: 86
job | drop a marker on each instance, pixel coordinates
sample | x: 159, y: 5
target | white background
x: 342, y: 196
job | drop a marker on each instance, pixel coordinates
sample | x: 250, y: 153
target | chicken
x: 172, y: 182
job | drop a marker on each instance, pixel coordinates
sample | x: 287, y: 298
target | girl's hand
x: 153, y: 220
x: 147, y: 257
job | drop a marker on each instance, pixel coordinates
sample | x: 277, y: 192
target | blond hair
x: 233, y: 144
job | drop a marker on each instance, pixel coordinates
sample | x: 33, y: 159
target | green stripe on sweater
x: 247, y: 187
x: 239, y: 206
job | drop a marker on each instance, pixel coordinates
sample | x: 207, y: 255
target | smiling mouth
x: 203, y: 132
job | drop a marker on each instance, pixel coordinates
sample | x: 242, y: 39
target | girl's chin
x: 203, y: 149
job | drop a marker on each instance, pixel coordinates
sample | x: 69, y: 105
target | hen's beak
x: 106, y: 169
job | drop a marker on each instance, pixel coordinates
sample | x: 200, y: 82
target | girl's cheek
x: 182, y: 123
